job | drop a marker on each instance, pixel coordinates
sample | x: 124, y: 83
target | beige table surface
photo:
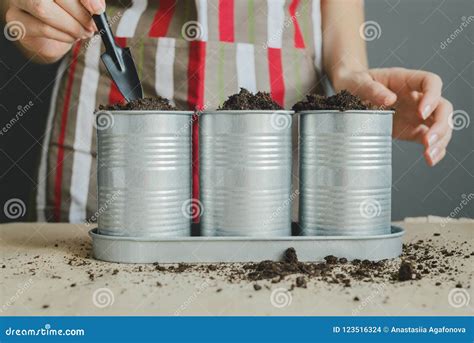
x: 44, y: 271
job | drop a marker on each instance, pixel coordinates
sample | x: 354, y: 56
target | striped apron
x: 272, y: 45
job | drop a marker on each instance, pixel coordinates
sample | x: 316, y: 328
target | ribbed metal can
x: 345, y: 172
x: 144, y: 173
x: 245, y: 173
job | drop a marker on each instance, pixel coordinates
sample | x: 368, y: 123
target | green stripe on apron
x: 251, y: 22
x: 220, y: 73
x: 296, y: 67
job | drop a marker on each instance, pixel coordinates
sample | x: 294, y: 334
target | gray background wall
x: 411, y: 34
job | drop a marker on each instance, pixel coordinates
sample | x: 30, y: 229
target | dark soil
x: 419, y: 260
x: 146, y: 104
x: 428, y: 259
x: 290, y: 255
x: 405, y: 272
x: 301, y: 282
x: 341, y: 101
x: 246, y: 100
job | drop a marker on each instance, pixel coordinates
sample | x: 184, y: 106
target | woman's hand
x: 50, y: 27
x: 422, y: 115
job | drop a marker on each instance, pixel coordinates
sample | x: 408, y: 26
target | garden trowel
x: 118, y: 61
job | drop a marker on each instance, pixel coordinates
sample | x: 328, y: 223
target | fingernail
x: 433, y: 138
x: 426, y: 111
x: 96, y: 6
x: 433, y: 153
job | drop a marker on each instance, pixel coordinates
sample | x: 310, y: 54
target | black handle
x: 102, y: 23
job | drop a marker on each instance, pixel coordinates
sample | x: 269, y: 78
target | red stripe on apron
x: 196, y: 74
x: 115, y: 96
x: 299, y: 41
x: 162, y: 19
x: 62, y: 134
x: 226, y: 20
x: 277, y: 84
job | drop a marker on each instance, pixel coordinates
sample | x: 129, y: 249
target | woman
x: 197, y: 53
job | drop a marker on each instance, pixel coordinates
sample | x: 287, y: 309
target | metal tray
x: 243, y: 249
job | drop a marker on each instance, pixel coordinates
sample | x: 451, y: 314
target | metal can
x: 345, y: 172
x: 245, y: 173
x: 144, y: 173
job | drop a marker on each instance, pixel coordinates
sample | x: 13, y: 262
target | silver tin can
x: 345, y: 172
x: 144, y: 173
x: 245, y: 173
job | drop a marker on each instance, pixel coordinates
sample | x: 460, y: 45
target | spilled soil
x: 341, y: 101
x: 419, y: 260
x: 146, y: 104
x: 436, y: 260
x: 245, y: 100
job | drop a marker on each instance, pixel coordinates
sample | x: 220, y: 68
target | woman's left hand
x: 422, y: 114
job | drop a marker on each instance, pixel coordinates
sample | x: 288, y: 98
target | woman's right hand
x: 50, y: 27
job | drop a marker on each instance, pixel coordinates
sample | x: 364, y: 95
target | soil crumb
x: 146, y: 104
x: 405, y: 272
x: 246, y: 100
x: 290, y: 255
x: 301, y: 282
x: 341, y: 101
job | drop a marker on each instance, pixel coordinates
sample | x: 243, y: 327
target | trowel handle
x: 108, y: 38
